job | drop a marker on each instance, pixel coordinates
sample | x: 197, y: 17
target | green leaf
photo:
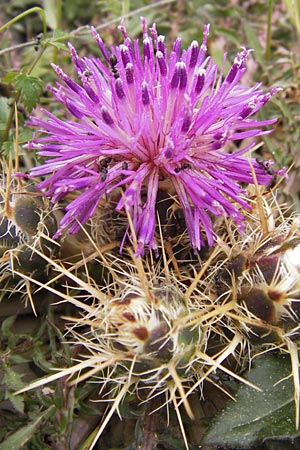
x: 50, y: 12
x: 25, y: 134
x: 6, y: 326
x: 40, y: 359
x: 31, y: 89
x: 10, y: 77
x: 175, y: 444
x: 17, y: 440
x: 59, y: 45
x: 294, y: 12
x: 253, y: 42
x: 256, y: 416
x: 20, y: 358
x: 4, y: 111
x: 229, y: 35
x: 58, y: 39
x: 12, y: 379
x: 16, y: 400
x: 59, y: 35
x: 285, y: 110
x: 8, y: 148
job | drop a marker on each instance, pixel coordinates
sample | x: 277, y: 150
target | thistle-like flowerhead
x: 149, y: 119
x: 261, y: 273
x: 263, y: 263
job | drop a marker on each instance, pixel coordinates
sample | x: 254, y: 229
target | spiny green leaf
x: 256, y: 416
x: 25, y: 134
x: 31, y: 89
x: 12, y: 379
x: 8, y: 148
x: 17, y: 440
x: 16, y: 400
x: 39, y: 358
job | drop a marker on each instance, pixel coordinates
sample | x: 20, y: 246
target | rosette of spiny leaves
x: 145, y: 335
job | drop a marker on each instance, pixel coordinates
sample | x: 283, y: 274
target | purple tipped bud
x: 72, y: 85
x: 216, y: 145
x: 200, y: 81
x: 106, y: 116
x: 129, y: 73
x: 144, y: 26
x: 76, y: 60
x: 146, y: 43
x: 219, y: 135
x: 160, y: 45
x: 238, y: 65
x: 232, y: 73
x: 91, y: 93
x: 168, y: 150
x: 183, y: 77
x: 168, y: 153
x: 145, y: 94
x: 162, y: 63
x: 194, y: 49
x: 220, y: 139
x: 153, y: 31
x: 101, y: 44
x: 265, y: 98
x: 247, y: 110
x: 180, y: 76
x: 186, y: 123
x: 122, y: 28
x: 176, y: 47
x: 125, y: 54
x: 72, y: 108
x: 119, y: 89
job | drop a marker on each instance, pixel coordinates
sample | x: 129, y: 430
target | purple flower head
x: 143, y: 117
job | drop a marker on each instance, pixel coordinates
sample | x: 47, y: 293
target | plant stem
x: 24, y: 14
x: 17, y: 47
x: 58, y: 26
x: 269, y: 27
x: 58, y: 14
x: 149, y: 426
